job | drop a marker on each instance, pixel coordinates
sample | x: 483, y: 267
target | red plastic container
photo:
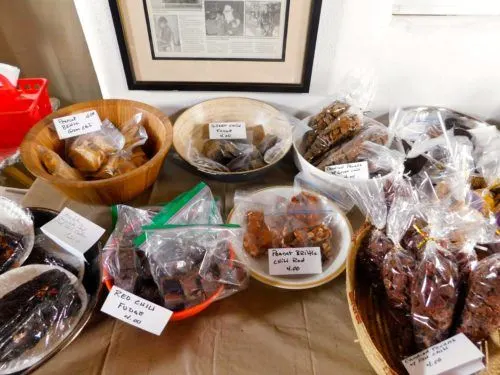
x: 21, y: 108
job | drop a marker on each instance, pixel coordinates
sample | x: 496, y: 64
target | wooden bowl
x: 372, y: 321
x: 188, y: 130
x: 117, y: 189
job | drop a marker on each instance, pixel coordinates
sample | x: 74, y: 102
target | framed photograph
x: 217, y: 45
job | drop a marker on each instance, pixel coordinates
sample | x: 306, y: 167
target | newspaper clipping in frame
x: 215, y: 29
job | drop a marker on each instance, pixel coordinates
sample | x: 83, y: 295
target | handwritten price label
x: 79, y: 124
x: 227, y: 130
x: 457, y: 355
x: 350, y: 170
x: 136, y: 311
x: 295, y: 261
x: 73, y: 232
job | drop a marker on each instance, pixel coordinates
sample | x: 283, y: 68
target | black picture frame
x: 302, y: 87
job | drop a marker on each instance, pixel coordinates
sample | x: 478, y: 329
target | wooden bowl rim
x: 78, y: 107
x: 235, y: 99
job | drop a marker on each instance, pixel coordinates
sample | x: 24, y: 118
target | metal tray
x: 91, y: 282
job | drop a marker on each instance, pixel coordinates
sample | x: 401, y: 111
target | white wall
x: 449, y: 61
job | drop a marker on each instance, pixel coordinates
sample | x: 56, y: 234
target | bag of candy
x: 399, y: 263
x: 481, y: 315
x: 193, y: 263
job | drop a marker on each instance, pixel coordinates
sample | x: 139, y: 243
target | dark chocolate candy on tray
x: 11, y: 244
x: 32, y: 309
x: 39, y: 256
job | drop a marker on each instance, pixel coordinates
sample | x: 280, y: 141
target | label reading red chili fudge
x: 136, y: 311
x: 295, y: 261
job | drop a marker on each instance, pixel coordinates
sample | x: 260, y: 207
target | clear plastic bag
x: 332, y: 131
x: 372, y: 200
x: 117, y: 164
x: 338, y: 119
x: 260, y: 148
x: 89, y: 152
x: 134, y: 132
x: 46, y: 251
x: 41, y: 305
x: 302, y: 221
x: 120, y: 260
x: 414, y: 125
x: 434, y: 294
x: 193, y: 263
x: 56, y: 166
x: 448, y: 163
x: 17, y: 234
x: 306, y: 181
x: 486, y: 155
x: 399, y: 263
x: 481, y: 315
x: 350, y: 151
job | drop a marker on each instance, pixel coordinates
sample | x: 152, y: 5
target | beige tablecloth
x: 262, y: 330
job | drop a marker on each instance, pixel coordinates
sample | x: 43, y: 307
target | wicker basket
x: 118, y: 189
x: 371, y: 320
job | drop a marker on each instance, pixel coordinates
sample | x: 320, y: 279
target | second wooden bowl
x: 187, y: 130
x: 117, y: 189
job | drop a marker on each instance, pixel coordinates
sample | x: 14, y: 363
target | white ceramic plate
x: 18, y: 220
x: 341, y: 243
x: 14, y: 278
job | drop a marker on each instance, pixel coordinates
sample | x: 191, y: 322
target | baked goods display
x: 429, y: 252
x: 103, y: 154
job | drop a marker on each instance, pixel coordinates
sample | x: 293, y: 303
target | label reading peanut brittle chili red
x: 295, y: 261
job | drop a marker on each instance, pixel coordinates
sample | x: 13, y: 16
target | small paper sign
x: 73, y: 232
x: 457, y: 356
x: 79, y: 124
x: 136, y: 311
x: 227, y: 130
x: 350, y: 170
x: 295, y: 261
